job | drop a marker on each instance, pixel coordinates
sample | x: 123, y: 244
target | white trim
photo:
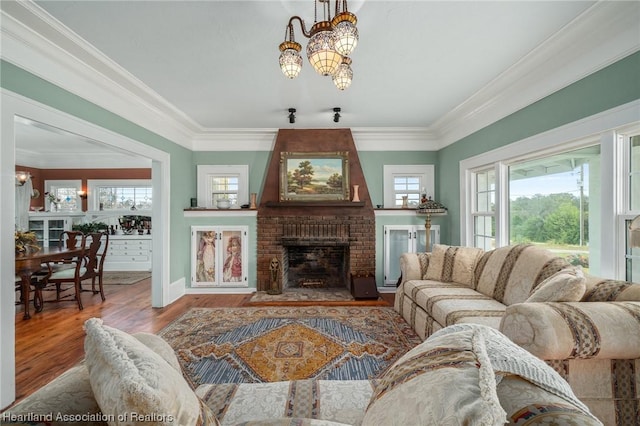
x: 16, y: 105
x: 571, y: 54
x: 221, y: 213
x: 596, y: 128
x: 425, y: 171
x: 219, y: 290
x: 204, y: 171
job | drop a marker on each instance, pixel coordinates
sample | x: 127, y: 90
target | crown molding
x: 39, y: 44
x: 602, y: 35
x: 81, y: 160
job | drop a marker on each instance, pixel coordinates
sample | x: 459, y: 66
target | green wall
x: 614, y: 85
x: 182, y: 184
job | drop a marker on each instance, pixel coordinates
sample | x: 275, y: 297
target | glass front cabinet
x: 219, y: 256
x: 48, y: 229
x: 399, y: 239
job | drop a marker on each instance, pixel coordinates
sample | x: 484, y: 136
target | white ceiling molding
x: 81, y: 161
x: 599, y: 37
x: 34, y: 41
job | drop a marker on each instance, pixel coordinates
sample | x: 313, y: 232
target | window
x: 223, y: 182
x: 549, y: 202
x: 124, y: 194
x: 572, y: 189
x: 407, y: 181
x: 66, y: 191
x: 484, y: 209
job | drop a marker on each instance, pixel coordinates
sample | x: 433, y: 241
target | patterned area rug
x: 249, y: 345
x: 124, y: 277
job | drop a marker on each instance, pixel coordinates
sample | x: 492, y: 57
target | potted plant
x: 26, y: 242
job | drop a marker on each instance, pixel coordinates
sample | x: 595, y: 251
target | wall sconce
x: 82, y: 195
x: 336, y: 115
x: 292, y: 115
x: 22, y: 177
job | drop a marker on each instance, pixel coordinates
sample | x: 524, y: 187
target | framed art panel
x: 314, y: 176
x: 219, y: 256
x: 204, y: 256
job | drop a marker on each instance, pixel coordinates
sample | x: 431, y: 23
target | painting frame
x: 299, y: 181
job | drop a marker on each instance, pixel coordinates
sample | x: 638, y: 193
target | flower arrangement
x: 51, y: 197
x: 26, y: 241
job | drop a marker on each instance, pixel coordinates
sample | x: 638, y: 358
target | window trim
x: 427, y: 179
x: 596, y: 129
x: 204, y: 171
x: 93, y: 204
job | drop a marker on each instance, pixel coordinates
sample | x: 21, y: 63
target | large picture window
x: 120, y: 194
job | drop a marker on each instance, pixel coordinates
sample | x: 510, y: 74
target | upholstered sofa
x: 465, y: 374
x: 587, y: 328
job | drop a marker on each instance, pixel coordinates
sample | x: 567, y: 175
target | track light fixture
x: 336, y: 115
x: 292, y: 115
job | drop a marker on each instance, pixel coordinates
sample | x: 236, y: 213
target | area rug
x: 124, y: 277
x: 307, y: 296
x: 252, y: 345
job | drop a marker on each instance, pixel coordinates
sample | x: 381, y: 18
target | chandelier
x: 331, y: 41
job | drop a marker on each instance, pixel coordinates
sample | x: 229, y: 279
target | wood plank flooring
x: 53, y: 340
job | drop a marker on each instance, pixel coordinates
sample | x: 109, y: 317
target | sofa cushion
x: 452, y: 264
x: 527, y: 405
x: 448, y: 378
x: 127, y: 377
x: 605, y: 290
x: 508, y: 274
x: 341, y: 401
x: 567, y: 285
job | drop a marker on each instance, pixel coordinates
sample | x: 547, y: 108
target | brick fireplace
x: 318, y: 244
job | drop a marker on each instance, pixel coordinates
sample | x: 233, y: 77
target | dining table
x: 28, y: 263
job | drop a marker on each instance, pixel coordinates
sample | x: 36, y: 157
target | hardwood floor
x: 53, y: 340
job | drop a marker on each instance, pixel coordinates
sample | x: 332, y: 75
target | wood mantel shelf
x: 328, y: 203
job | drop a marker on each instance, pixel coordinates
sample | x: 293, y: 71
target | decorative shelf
x: 328, y: 203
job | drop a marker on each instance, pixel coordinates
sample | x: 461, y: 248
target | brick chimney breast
x: 283, y: 225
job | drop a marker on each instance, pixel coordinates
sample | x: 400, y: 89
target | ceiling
x: 215, y: 63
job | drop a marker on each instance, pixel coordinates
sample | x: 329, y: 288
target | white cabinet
x: 128, y: 253
x: 399, y: 239
x: 49, y: 228
x: 219, y: 256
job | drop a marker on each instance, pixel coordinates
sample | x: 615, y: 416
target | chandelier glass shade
x: 290, y: 59
x: 331, y: 41
x: 343, y: 75
x: 321, y: 49
x: 345, y: 33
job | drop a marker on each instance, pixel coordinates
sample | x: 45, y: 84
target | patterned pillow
x: 567, y: 285
x: 453, y: 264
x: 599, y: 290
x: 129, y: 379
x: 448, y: 378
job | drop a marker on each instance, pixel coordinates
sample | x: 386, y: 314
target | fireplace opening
x: 316, y: 267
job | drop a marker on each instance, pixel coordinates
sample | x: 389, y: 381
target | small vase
x: 356, y: 196
x: 54, y: 207
x: 253, y: 201
x: 405, y: 201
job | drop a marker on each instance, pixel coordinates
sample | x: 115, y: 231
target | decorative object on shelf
x: 26, y: 242
x: 356, y: 195
x: 88, y: 228
x: 253, y: 204
x: 405, y: 201
x: 53, y: 200
x: 223, y: 203
x: 430, y: 208
x: 274, y: 273
x: 331, y: 41
x: 35, y: 194
x: 194, y: 202
x: 314, y: 176
x: 22, y: 177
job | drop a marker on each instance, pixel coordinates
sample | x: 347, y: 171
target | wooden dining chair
x: 89, y: 266
x: 64, y: 271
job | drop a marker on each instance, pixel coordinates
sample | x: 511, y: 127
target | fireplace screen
x: 317, y: 267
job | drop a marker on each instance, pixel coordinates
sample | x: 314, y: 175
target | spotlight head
x: 292, y: 115
x: 336, y: 115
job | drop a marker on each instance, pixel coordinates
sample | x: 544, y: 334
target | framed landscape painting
x: 314, y: 176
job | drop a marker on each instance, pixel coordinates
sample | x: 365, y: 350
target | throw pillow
x: 448, y: 378
x: 567, y: 285
x: 135, y: 385
x: 453, y: 264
